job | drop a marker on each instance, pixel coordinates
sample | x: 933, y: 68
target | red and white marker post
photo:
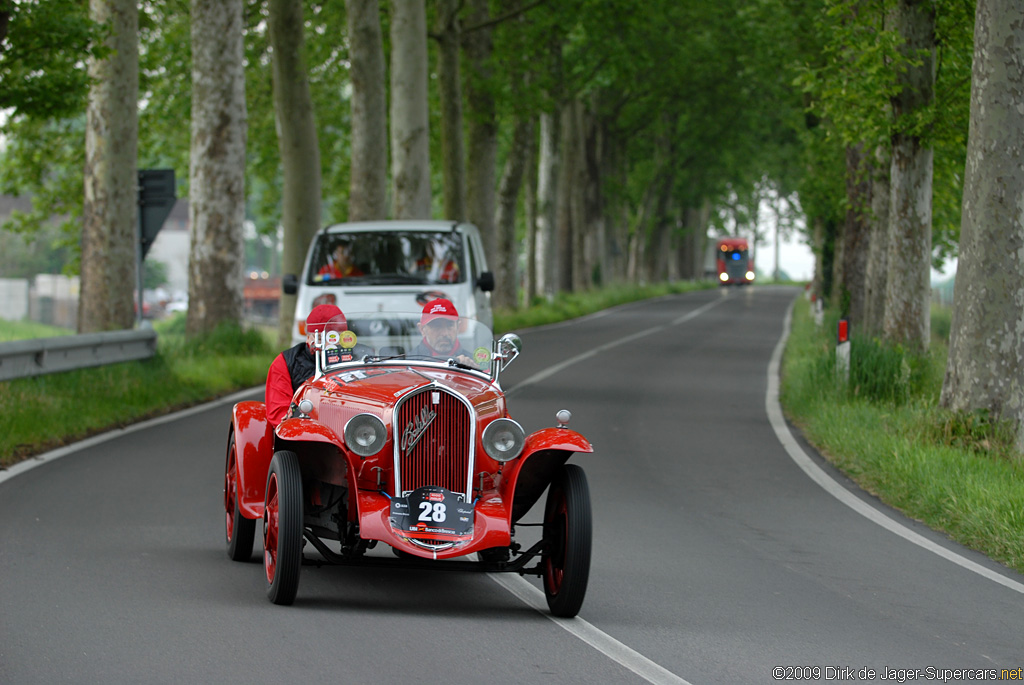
x: 843, y: 351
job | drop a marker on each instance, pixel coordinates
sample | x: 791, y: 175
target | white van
x: 393, y: 266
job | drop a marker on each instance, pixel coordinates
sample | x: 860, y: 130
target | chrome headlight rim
x: 503, y: 440
x: 356, y: 436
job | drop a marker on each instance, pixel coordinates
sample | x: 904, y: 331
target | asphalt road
x: 716, y: 558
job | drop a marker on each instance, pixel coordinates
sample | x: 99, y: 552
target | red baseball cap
x: 438, y: 308
x: 326, y: 317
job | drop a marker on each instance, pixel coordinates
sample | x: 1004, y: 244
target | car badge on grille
x: 415, y: 429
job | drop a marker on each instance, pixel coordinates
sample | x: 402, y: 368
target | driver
x: 439, y: 325
x: 296, y: 364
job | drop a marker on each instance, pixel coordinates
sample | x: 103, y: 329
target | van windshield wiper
x: 393, y: 279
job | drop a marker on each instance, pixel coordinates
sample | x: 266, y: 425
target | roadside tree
x: 985, y: 369
x: 297, y: 144
x: 110, y: 211
x: 217, y: 166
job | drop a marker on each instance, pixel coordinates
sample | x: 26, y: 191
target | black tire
x: 568, y: 532
x: 239, y: 531
x: 282, y: 528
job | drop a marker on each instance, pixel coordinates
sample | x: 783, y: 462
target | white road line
x: 599, y: 640
x: 561, y: 366
x: 819, y: 476
x: 531, y: 596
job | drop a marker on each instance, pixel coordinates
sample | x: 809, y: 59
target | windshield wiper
x: 370, y: 359
x: 394, y: 279
x: 459, y: 365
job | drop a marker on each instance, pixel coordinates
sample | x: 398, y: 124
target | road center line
x: 531, y: 596
x: 562, y: 365
x: 822, y: 478
x: 599, y: 640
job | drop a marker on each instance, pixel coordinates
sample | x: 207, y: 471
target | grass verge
x: 40, y: 413
x: 958, y: 473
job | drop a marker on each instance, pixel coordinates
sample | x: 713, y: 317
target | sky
x: 795, y: 258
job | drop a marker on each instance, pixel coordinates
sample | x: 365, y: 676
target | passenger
x: 446, y: 271
x: 339, y: 264
x: 439, y: 325
x: 296, y: 364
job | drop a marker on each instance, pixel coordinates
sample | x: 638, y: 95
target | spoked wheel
x: 239, y: 531
x: 568, y: 531
x: 282, y: 528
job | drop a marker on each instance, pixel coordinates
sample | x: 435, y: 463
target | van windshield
x: 388, y: 258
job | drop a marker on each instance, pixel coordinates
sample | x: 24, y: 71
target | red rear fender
x: 307, y: 430
x: 254, y: 448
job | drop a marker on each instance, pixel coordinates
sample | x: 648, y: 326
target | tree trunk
x: 506, y: 275
x: 985, y: 369
x: 878, y: 252
x: 592, y: 265
x: 298, y: 146
x: 531, y: 216
x: 908, y: 291
x: 637, y: 251
x: 695, y: 230
x: 110, y: 206
x: 482, y: 130
x: 368, y: 183
x: 818, y: 241
x: 217, y: 167
x: 449, y: 79
x: 410, y: 126
x: 659, y: 244
x: 564, y: 217
x: 548, y: 172
x: 577, y: 197
x: 856, y: 233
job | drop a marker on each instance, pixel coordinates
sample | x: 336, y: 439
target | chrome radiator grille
x: 434, y: 437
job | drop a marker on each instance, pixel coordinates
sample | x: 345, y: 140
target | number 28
x: 432, y: 511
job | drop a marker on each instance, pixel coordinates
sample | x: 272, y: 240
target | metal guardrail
x: 39, y: 356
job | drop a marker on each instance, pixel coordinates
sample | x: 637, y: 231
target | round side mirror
x: 509, y: 347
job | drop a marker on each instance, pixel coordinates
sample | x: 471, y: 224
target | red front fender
x: 555, y: 439
x: 254, y: 448
x: 526, y: 478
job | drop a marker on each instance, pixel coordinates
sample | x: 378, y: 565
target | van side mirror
x: 290, y: 284
x: 485, y: 281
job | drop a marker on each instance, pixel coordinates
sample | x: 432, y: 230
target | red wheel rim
x: 230, y: 494
x: 555, y: 561
x: 270, y: 523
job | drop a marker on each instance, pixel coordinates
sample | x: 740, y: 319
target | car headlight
x: 723, y: 276
x: 365, y: 434
x: 503, y: 440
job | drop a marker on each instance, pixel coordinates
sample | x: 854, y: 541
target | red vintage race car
x: 387, y: 445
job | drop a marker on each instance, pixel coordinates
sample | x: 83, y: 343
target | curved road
x: 716, y: 557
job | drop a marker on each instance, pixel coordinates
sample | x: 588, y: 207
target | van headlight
x: 365, y: 435
x: 503, y: 440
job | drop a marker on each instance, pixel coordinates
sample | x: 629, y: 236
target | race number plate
x: 432, y: 513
